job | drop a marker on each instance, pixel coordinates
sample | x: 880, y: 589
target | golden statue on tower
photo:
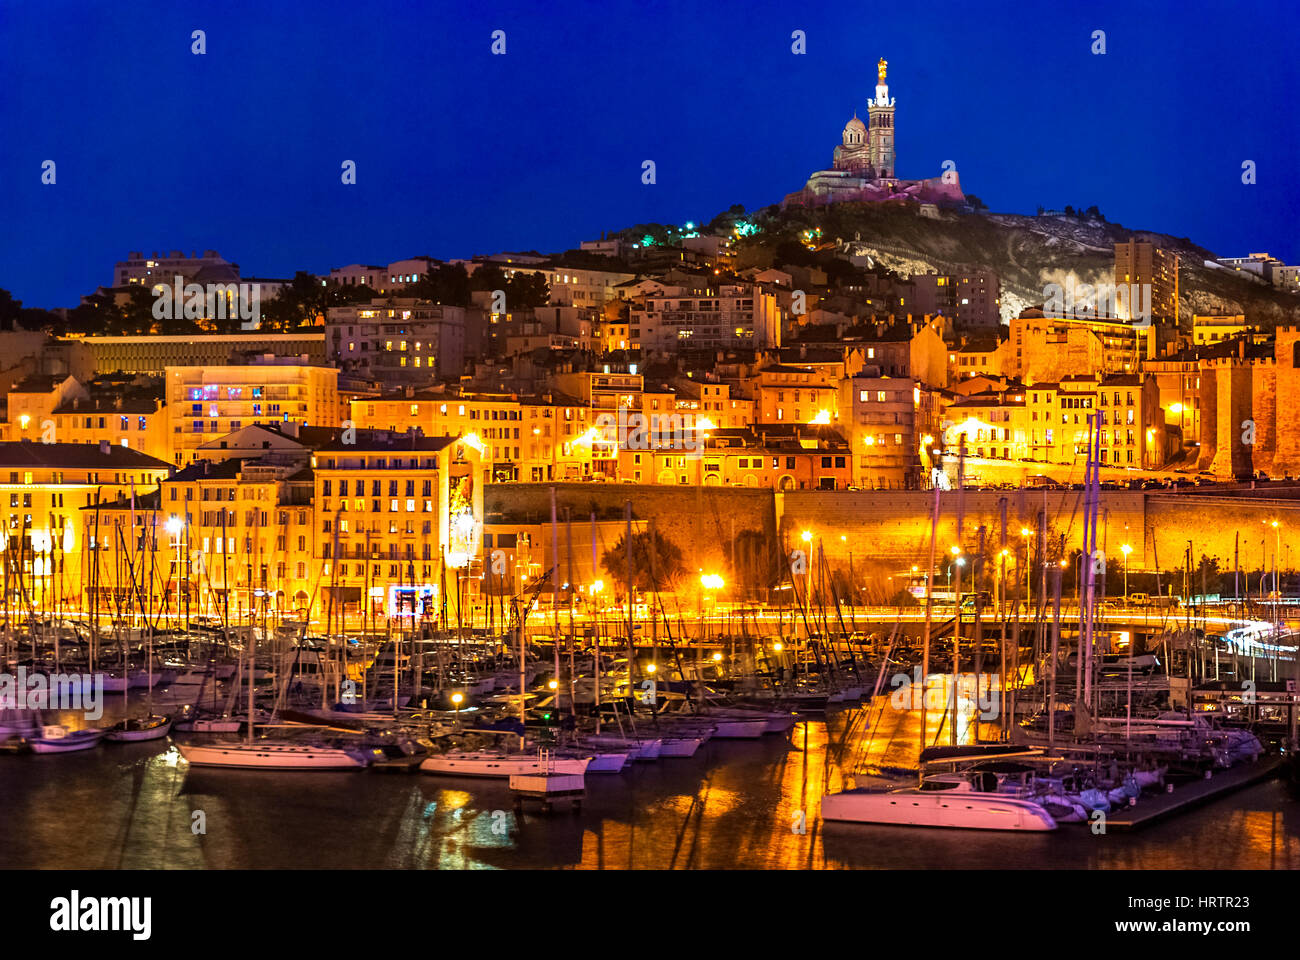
x: 880, y: 69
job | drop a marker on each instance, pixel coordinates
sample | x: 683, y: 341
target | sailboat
x: 269, y: 754
x: 151, y: 726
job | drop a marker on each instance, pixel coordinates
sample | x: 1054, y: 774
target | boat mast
x: 956, y: 596
x: 627, y: 550
x: 929, y: 612
x: 555, y: 596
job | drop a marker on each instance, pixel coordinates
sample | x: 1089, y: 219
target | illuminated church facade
x: 862, y: 166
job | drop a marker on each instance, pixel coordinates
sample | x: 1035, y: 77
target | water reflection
x: 751, y: 804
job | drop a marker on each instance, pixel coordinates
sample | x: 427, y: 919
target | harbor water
x: 735, y: 804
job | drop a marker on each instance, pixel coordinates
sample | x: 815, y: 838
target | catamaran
x: 953, y: 800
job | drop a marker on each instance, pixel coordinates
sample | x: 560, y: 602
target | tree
x: 97, y: 314
x: 755, y: 564
x: 668, y: 564
x: 10, y: 311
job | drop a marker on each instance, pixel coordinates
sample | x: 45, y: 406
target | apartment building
x: 396, y: 513
x: 43, y: 489
x: 734, y: 316
x: 397, y: 340
x: 205, y: 402
x: 879, y: 421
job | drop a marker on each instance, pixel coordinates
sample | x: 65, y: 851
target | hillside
x: 1026, y: 252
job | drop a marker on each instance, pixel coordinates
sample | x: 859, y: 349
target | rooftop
x: 24, y: 453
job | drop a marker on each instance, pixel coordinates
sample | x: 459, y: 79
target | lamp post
x: 1126, y: 550
x: 957, y: 561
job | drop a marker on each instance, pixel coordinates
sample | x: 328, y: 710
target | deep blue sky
x: 460, y: 152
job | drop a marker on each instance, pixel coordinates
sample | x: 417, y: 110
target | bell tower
x: 881, y: 126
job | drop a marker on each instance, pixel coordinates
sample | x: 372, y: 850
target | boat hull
x: 730, y: 728
x: 919, y: 808
x: 680, y: 746
x: 608, y: 763
x: 500, y: 766
x: 155, y: 731
x: 79, y: 740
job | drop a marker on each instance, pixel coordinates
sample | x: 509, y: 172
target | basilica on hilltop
x: 862, y: 166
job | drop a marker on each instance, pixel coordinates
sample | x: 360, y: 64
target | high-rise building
x: 1145, y: 263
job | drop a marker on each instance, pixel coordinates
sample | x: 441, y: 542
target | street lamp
x: 958, y: 561
x: 713, y: 583
x: 1126, y: 550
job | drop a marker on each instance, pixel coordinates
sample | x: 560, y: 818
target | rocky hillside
x: 1026, y: 252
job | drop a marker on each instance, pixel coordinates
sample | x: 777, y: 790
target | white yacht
x: 942, y: 800
x: 269, y: 755
x: 502, y: 765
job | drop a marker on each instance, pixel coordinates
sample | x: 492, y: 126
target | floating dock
x: 1152, y: 808
x: 546, y: 788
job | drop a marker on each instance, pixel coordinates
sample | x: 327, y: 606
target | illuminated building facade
x: 206, y: 402
x: 396, y: 514
x: 397, y: 340
x: 43, y: 488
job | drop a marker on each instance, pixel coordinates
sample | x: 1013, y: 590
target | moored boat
x: 944, y: 800
x: 500, y: 765
x: 59, y: 739
x: 153, y: 727
x: 270, y: 755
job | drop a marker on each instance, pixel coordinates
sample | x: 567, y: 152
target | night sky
x: 460, y: 152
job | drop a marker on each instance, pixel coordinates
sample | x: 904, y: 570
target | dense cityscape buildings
x: 708, y: 373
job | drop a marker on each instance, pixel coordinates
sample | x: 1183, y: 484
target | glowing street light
x: 806, y: 536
